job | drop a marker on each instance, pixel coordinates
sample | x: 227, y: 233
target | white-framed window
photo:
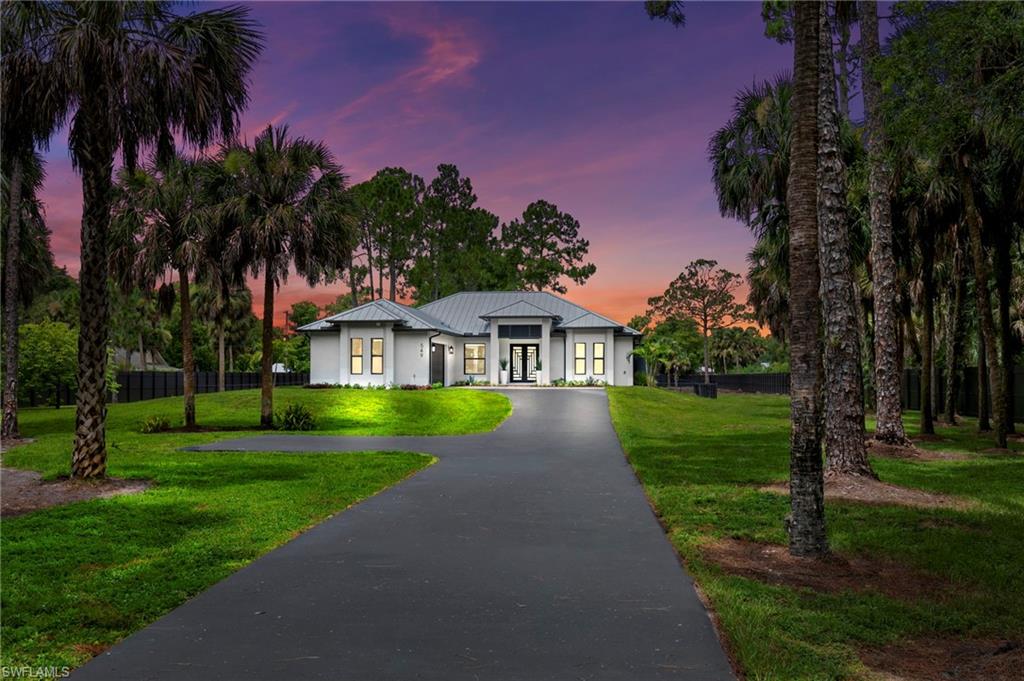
x: 474, y: 359
x: 355, y: 346
x: 599, y: 359
x: 580, y: 355
x: 376, y: 355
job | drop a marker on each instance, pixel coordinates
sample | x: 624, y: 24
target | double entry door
x: 523, y: 363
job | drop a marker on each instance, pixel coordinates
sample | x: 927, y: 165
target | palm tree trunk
x: 806, y: 522
x: 889, y: 412
x: 10, y: 429
x: 392, y: 288
x: 267, y: 361
x: 220, y: 354
x: 954, y: 341
x: 188, y: 360
x: 231, y: 358
x: 707, y: 357
x: 927, y: 246
x: 981, y: 296
x: 983, y: 422
x: 142, y: 353
x: 845, y: 449
x: 96, y: 160
x: 353, y: 287
x: 1004, y: 280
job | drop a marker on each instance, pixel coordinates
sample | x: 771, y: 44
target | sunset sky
x: 591, y: 106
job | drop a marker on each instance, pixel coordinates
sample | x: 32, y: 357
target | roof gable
x: 520, y: 308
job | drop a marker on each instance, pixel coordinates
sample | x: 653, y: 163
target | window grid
x: 599, y: 359
x: 355, y: 349
x: 474, y: 360
x: 580, y: 355
x: 376, y: 355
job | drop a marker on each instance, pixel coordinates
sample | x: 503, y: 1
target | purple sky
x: 591, y: 106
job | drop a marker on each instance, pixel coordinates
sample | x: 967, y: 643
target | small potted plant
x: 503, y: 374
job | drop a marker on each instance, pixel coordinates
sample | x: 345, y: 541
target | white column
x: 546, y: 356
x: 609, y: 358
x: 389, y: 355
x: 492, y: 354
x: 343, y: 351
x: 570, y: 350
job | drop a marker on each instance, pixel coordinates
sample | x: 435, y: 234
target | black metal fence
x: 967, y: 395
x: 774, y: 384
x: 910, y: 392
x: 135, y: 386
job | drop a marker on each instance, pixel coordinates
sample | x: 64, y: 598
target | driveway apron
x: 527, y: 553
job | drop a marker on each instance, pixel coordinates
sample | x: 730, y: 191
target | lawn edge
x: 716, y: 623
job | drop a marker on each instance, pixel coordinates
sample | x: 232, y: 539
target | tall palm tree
x: 27, y: 262
x: 132, y: 73
x: 167, y: 201
x: 289, y: 199
x: 889, y: 411
x: 806, y: 523
x: 845, y: 449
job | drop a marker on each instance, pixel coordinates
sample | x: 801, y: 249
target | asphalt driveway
x: 526, y: 553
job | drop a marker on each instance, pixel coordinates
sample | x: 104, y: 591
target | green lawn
x: 80, y: 577
x: 338, y: 411
x: 702, y: 461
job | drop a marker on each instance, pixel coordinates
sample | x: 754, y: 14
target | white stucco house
x: 464, y: 337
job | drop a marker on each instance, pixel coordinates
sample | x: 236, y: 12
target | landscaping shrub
x: 412, y: 386
x: 437, y: 385
x: 297, y: 416
x: 155, y: 424
x: 322, y: 386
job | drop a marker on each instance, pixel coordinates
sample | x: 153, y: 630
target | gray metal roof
x: 463, y: 310
x: 463, y: 314
x: 520, y: 308
x: 381, y: 311
x: 589, y: 320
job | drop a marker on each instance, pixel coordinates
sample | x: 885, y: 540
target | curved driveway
x: 527, y: 553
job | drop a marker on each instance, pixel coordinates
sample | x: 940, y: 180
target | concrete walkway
x: 527, y: 553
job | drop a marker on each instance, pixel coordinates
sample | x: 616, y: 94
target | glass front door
x: 523, y: 363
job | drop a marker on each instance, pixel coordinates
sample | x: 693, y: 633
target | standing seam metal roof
x: 460, y: 313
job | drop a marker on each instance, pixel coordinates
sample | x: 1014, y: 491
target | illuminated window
x: 581, y: 358
x: 598, y: 359
x: 356, y: 351
x: 473, y: 359
x: 376, y: 355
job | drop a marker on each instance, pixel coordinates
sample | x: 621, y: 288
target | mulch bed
x: 929, y: 659
x: 870, y: 491
x: 772, y: 564
x: 24, y: 491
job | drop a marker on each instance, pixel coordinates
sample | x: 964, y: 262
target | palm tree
x: 889, y: 411
x: 27, y: 262
x: 133, y: 73
x: 806, y: 523
x: 845, y: 449
x: 289, y: 198
x: 652, y: 352
x: 167, y: 202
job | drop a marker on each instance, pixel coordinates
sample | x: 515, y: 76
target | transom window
x: 580, y: 364
x: 474, y: 359
x: 355, y: 346
x: 599, y: 358
x: 376, y: 355
x: 519, y: 331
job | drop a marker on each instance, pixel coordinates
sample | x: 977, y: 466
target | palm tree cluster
x: 140, y: 78
x: 886, y: 242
